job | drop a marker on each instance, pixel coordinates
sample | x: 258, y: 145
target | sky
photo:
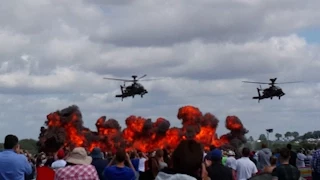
x: 55, y: 53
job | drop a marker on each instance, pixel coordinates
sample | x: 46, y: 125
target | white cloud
x: 55, y: 53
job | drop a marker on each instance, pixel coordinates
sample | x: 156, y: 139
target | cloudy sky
x: 54, y: 53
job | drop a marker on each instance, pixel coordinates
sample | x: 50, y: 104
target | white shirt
x: 142, y: 167
x: 58, y: 164
x: 245, y: 168
x: 300, y: 160
x: 231, y: 163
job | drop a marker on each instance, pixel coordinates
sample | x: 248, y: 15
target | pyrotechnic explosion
x: 65, y: 128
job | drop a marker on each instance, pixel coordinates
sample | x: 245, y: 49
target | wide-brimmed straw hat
x: 79, y: 156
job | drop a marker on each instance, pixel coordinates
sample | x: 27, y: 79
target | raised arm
x: 26, y: 166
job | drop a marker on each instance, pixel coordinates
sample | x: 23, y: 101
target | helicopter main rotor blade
x: 142, y: 77
x: 289, y: 82
x: 255, y: 82
x: 151, y: 79
x: 115, y: 79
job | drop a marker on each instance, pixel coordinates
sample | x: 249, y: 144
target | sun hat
x: 79, y: 156
x: 231, y: 153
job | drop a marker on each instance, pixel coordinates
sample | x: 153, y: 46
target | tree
x: 287, y: 135
x: 250, y: 139
x: 262, y: 137
x: 295, y: 135
x: 278, y: 136
x: 29, y: 145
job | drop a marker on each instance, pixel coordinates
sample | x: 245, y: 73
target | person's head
x: 11, y: 142
x: 289, y: 146
x: 212, y: 147
x: 216, y: 156
x: 159, y: 153
x: 96, y: 153
x: 273, y: 160
x: 60, y: 154
x: 263, y: 145
x: 231, y: 153
x: 121, y: 156
x: 187, y: 157
x: 245, y: 152
x: 78, y: 156
x: 284, y: 154
x: 300, y: 150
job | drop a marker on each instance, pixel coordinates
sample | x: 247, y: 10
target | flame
x: 140, y: 133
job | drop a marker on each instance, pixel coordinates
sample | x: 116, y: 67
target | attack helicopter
x: 270, y: 92
x: 134, y: 89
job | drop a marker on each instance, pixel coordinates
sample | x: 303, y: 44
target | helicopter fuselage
x: 132, y: 90
x: 270, y: 92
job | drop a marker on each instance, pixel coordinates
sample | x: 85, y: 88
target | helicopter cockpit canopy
x: 276, y: 87
x: 137, y: 85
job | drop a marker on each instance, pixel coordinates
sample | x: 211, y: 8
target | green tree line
x: 26, y: 144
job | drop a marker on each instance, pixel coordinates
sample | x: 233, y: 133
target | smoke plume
x: 65, y: 128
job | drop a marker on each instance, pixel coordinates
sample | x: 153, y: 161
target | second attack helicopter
x: 270, y: 92
x: 132, y: 90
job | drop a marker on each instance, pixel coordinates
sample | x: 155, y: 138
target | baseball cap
x: 215, y: 154
x: 60, y: 154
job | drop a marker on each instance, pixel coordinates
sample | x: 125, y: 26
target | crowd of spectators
x: 189, y: 161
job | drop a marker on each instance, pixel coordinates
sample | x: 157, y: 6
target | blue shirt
x: 13, y: 166
x: 277, y: 155
x: 135, y: 163
x: 118, y: 173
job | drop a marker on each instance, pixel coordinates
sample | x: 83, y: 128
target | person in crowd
x: 300, y: 159
x: 277, y: 155
x: 285, y: 171
x: 293, y: 156
x: 13, y: 165
x: 245, y: 167
x: 142, y: 164
x: 134, y: 160
x: 232, y: 163
x: 273, y: 164
x: 253, y: 159
x: 315, y: 164
x: 60, y: 162
x: 98, y: 162
x: 264, y: 156
x: 120, y: 171
x: 41, y: 159
x: 159, y: 157
x: 308, y: 159
x: 224, y: 158
x: 78, y: 166
x: 187, y: 161
x: 217, y: 170
x: 166, y: 157
x: 49, y: 160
